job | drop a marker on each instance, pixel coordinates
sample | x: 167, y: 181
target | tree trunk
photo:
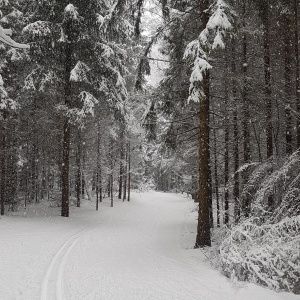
x: 78, y: 173
x: 129, y: 171
x: 211, y: 213
x: 121, y: 164
x: 216, y: 173
x: 67, y: 130
x: 3, y: 167
x: 34, y: 179
x: 108, y: 187
x: 100, y: 182
x: 236, y: 185
x: 246, y: 115
x: 296, y: 42
x: 268, y: 91
x: 288, y: 85
x: 111, y: 175
x: 98, y: 166
x: 226, y: 166
x: 125, y: 175
x: 203, y: 237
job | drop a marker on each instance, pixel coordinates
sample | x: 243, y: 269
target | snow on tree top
x: 71, y: 12
x: 16, y: 55
x: 38, y: 29
x: 79, y: 73
x: 100, y: 19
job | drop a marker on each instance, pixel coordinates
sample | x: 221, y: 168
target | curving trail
x: 135, y: 251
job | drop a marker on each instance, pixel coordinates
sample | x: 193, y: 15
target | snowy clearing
x: 137, y: 250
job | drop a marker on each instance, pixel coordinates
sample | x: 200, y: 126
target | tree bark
x: 78, y: 164
x: 129, y: 172
x: 121, y: 163
x: 226, y: 166
x: 268, y: 90
x: 288, y: 85
x: 125, y: 175
x: 236, y: 185
x: 296, y: 42
x: 3, y: 167
x: 216, y: 172
x: 98, y: 167
x: 203, y: 237
x: 111, y: 175
x: 246, y: 115
x: 67, y: 130
x: 267, y: 73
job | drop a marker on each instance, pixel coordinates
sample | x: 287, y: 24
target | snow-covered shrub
x: 281, y: 184
x: 257, y: 176
x: 264, y: 248
x: 267, y: 254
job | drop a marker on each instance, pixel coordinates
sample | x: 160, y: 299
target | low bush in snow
x: 265, y: 248
x: 267, y: 254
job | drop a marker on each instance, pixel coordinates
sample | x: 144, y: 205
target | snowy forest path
x: 137, y: 250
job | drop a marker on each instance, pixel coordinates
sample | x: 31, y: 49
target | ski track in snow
x: 60, y: 259
x: 135, y: 251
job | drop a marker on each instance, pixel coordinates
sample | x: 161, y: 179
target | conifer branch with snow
x: 212, y: 37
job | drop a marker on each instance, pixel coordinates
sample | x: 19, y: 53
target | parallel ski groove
x: 59, y: 259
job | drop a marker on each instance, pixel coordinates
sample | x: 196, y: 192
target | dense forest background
x: 78, y: 118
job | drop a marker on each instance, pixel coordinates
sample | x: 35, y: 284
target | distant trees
x: 73, y: 86
x: 252, y: 93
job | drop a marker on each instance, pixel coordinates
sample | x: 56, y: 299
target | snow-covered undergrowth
x: 265, y: 254
x: 264, y: 248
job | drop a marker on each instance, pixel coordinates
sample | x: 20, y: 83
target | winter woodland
x: 102, y: 101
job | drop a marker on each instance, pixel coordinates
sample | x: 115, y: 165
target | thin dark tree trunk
x: 3, y: 167
x: 121, y: 164
x: 83, y: 182
x: 44, y: 176
x: 108, y: 187
x: 67, y: 130
x: 296, y: 37
x: 26, y: 189
x: 203, y: 237
x: 129, y: 171
x: 246, y: 115
x: 226, y: 161
x: 257, y: 139
x: 78, y: 164
x: 125, y: 175
x: 120, y: 181
x: 35, y: 154
x: 268, y: 91
x: 288, y: 86
x: 111, y: 175
x: 111, y: 191
x: 100, y: 183
x: 98, y: 167
x: 236, y: 184
x: 211, y: 213
x: 26, y: 200
x: 216, y: 172
x: 97, y: 190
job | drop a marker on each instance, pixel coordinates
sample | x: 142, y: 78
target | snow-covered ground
x: 137, y: 250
